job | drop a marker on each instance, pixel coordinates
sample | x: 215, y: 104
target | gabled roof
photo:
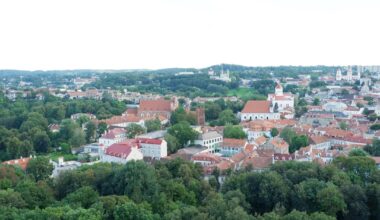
x: 22, y: 162
x: 121, y: 150
x: 155, y: 105
x: 231, y: 142
x: 257, y: 107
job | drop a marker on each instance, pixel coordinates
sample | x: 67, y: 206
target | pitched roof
x: 207, y: 157
x: 113, y: 133
x: 22, y: 162
x: 318, y: 139
x: 155, y: 105
x: 255, y: 106
x: 121, y: 150
x: 231, y: 142
x: 258, y: 162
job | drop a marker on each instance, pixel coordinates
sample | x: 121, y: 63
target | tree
x: 357, y: 152
x: 10, y: 198
x: 316, y: 101
x: 343, y: 125
x: 102, y: 127
x: 227, y: 117
x: 134, y: 129
x: 78, y: 138
x: 287, y: 134
x: 374, y: 148
x: 41, y: 142
x: 153, y: 125
x: 372, y: 117
x: 375, y: 127
x: 183, y: 132
x: 84, y: 197
x: 90, y: 131
x: 131, y: 211
x: 274, y: 132
x: 331, y: 200
x: 297, y: 142
x: 172, y: 142
x: 40, y: 168
x: 236, y: 132
x: 137, y: 180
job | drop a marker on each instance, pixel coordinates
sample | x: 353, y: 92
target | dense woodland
x: 347, y: 189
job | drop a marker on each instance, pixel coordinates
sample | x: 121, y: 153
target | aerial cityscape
x: 167, y: 118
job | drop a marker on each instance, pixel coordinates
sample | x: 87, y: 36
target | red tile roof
x: 113, y: 133
x: 230, y: 142
x: 121, y: 150
x: 155, y: 105
x: 257, y: 107
x: 22, y: 162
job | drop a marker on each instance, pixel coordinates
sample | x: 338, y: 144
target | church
x: 277, y: 104
x: 349, y: 76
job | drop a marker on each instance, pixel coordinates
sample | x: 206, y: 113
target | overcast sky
x: 137, y: 34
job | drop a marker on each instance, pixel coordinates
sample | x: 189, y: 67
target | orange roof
x: 279, y: 143
x: 231, y: 142
x: 257, y: 107
x: 207, y: 157
x: 155, y: 105
x: 22, y: 162
x: 318, y: 139
x: 261, y: 140
x: 258, y: 162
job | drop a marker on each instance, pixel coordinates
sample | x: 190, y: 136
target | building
x: 152, y: 148
x: 155, y: 108
x: 22, y: 162
x: 278, y: 145
x: 258, y: 128
x: 113, y: 136
x: 210, y: 139
x: 349, y: 75
x: 281, y: 101
x: 200, y: 115
x: 230, y: 146
x: 254, y: 110
x: 121, y: 153
x: 206, y: 159
x: 79, y: 115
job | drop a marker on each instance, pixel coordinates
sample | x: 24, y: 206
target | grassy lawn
x: 54, y: 156
x: 246, y: 94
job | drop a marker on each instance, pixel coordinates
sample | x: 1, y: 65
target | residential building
x: 121, y: 153
x: 231, y: 146
x: 210, y: 139
x: 113, y: 136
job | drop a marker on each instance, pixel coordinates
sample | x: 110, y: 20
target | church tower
x: 338, y: 75
x: 278, y: 90
x: 349, y: 73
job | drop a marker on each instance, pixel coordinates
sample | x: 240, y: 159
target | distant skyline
x: 154, y: 34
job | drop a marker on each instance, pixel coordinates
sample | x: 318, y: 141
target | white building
x: 349, y: 75
x: 283, y: 100
x: 121, y: 153
x: 153, y: 148
x: 254, y: 110
x: 113, y: 136
x: 211, y: 140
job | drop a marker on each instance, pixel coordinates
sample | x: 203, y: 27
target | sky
x: 153, y: 34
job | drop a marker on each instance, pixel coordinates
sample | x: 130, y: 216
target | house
x: 155, y: 108
x: 206, y: 159
x: 54, y: 128
x: 258, y: 163
x: 210, y: 139
x: 152, y: 148
x: 121, y: 153
x: 92, y: 151
x: 123, y: 121
x: 278, y: 145
x: 113, y: 136
x: 320, y: 142
x: 22, y: 162
x: 258, y: 128
x: 231, y: 146
x: 254, y: 110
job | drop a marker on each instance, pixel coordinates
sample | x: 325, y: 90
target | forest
x: 175, y: 189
